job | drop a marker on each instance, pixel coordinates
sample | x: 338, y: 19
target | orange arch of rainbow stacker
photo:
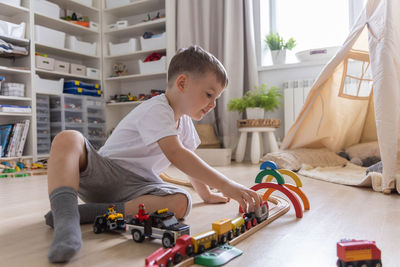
x: 295, y: 201
x: 295, y: 189
x: 289, y: 173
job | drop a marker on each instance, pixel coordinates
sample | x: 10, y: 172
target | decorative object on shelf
x: 152, y: 57
x: 261, y: 97
x: 119, y: 69
x: 11, y: 50
x: 278, y: 47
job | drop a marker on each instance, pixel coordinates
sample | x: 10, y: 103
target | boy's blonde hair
x: 196, y: 60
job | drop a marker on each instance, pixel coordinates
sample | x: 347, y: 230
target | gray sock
x: 67, y: 239
x: 89, y: 211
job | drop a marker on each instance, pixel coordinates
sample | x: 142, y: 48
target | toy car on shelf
x: 160, y: 224
x: 111, y: 220
x: 352, y: 252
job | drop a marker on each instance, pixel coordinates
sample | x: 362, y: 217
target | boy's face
x: 200, y: 94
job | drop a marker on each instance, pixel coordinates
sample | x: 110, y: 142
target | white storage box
x: 93, y: 73
x: 152, y: 66
x: 47, y: 8
x: 12, y: 30
x: 77, y: 69
x: 13, y: 89
x: 215, y: 156
x: 158, y: 41
x: 49, y: 87
x: 82, y: 47
x: 50, y: 37
x: 11, y: 2
x: 317, y: 54
x: 61, y: 66
x: 46, y: 63
x: 116, y: 3
x: 123, y: 48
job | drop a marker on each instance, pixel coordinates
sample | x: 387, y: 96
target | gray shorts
x: 104, y: 181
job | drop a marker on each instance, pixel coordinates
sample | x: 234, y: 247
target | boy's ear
x: 180, y: 82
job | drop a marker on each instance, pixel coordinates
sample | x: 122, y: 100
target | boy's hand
x: 246, y: 197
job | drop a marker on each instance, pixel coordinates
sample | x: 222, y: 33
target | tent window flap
x: 357, y: 78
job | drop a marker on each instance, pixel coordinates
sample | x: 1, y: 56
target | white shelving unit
x: 134, y: 82
x: 23, y: 69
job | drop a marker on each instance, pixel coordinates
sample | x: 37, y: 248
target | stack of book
x: 12, y: 138
x: 15, y: 109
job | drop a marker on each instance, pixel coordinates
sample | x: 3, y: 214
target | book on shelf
x: 5, y: 132
x: 16, y: 138
x: 13, y: 108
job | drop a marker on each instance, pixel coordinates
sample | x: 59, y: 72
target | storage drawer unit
x: 43, y: 124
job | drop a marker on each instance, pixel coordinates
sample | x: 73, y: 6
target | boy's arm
x: 192, y: 165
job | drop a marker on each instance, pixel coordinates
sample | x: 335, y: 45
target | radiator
x: 295, y: 94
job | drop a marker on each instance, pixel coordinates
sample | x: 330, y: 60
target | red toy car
x: 353, y: 253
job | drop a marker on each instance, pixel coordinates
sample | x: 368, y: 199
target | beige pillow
x: 294, y: 158
x: 363, y: 150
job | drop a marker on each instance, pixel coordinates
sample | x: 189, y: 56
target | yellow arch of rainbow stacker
x: 295, y: 189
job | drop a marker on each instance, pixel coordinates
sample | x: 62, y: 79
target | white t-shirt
x: 133, y: 143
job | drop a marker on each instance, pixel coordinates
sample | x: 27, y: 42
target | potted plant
x: 278, y: 47
x: 257, y: 101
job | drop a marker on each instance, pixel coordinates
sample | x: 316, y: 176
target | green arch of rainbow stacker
x: 295, y: 201
x: 274, y: 173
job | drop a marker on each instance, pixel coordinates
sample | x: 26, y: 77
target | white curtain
x: 225, y: 28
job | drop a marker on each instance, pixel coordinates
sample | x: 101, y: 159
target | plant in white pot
x: 257, y: 101
x: 278, y: 47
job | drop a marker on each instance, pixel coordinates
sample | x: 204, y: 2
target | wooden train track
x: 281, y: 207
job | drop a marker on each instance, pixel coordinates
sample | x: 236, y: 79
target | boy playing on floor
x: 125, y: 171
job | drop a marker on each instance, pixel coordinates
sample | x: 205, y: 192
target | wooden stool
x: 256, y: 142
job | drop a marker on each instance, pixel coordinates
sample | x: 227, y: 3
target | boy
x: 125, y: 171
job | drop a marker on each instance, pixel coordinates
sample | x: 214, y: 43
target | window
x: 312, y: 23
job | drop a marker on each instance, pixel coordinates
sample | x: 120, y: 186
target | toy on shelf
x: 119, y: 69
x: 109, y: 221
x: 160, y: 224
x: 352, y: 252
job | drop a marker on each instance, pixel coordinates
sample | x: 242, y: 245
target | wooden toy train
x: 222, y: 231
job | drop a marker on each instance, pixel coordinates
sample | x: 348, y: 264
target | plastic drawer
x: 42, y: 105
x: 97, y: 143
x: 45, y: 140
x: 94, y: 102
x: 42, y: 132
x: 96, y: 132
x: 96, y: 120
x: 40, y: 111
x: 43, y: 117
x: 42, y: 99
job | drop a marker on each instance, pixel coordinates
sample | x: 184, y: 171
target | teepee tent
x: 356, y: 97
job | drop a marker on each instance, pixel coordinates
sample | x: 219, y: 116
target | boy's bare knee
x: 181, y: 201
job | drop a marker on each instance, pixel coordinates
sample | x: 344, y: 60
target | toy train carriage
x: 238, y: 226
x: 353, y: 252
x: 171, y: 256
x: 224, y: 230
x: 204, y: 241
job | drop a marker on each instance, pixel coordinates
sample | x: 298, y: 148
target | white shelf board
x: 135, y: 55
x: 4, y: 69
x: 15, y: 114
x: 138, y: 29
x: 127, y: 103
x: 4, y: 97
x: 63, y: 25
x: 135, y: 8
x: 16, y: 41
x: 10, y: 10
x: 54, y: 74
x: 14, y: 158
x: 64, y: 52
x: 137, y: 77
x: 77, y: 7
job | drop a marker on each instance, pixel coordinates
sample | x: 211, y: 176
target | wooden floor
x: 337, y: 211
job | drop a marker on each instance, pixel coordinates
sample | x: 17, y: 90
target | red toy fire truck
x: 353, y: 253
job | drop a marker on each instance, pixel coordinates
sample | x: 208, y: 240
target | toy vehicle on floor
x: 111, y: 220
x: 160, y: 224
x: 170, y: 256
x: 251, y: 219
x: 352, y: 252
